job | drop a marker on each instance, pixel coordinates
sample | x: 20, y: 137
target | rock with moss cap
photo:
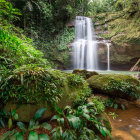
x: 84, y: 73
x: 30, y: 87
x: 115, y: 85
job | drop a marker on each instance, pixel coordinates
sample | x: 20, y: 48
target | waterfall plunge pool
x: 109, y: 72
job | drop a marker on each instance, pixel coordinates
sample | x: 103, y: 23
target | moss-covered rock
x: 84, y: 73
x: 32, y: 87
x: 122, y: 86
x: 125, y: 38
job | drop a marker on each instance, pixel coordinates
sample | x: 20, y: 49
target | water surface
x: 127, y: 125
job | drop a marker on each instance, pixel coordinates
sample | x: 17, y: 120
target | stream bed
x: 127, y: 125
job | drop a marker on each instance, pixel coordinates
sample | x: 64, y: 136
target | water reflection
x: 127, y: 125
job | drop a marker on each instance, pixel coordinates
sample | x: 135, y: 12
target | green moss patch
x: 32, y: 84
x: 84, y: 73
x: 122, y: 86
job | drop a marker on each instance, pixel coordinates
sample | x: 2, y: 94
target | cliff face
x: 124, y: 34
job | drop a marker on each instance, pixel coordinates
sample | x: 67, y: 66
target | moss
x: 121, y: 85
x: 29, y: 88
x: 84, y: 73
x: 119, y: 30
x: 32, y: 84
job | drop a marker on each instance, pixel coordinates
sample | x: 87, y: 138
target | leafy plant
x: 123, y: 87
x: 113, y: 114
x: 33, y: 125
x: 12, y: 116
x: 79, y: 123
x: 112, y: 103
x: 3, y: 116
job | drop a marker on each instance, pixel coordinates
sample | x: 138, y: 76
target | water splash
x: 85, y: 45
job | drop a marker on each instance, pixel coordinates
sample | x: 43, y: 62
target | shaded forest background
x: 46, y: 23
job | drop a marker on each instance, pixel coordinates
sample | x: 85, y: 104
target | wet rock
x: 84, y: 73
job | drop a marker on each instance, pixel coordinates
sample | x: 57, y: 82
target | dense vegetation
x: 34, y: 38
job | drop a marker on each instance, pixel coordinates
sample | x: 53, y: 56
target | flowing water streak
x: 108, y: 56
x: 85, y: 46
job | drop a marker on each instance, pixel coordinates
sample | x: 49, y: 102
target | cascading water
x: 108, y: 56
x: 85, y: 45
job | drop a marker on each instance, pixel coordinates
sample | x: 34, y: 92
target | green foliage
x: 123, y: 87
x: 112, y: 103
x: 8, y: 12
x: 20, y: 52
x: 115, y: 85
x: 101, y: 6
x: 98, y: 105
x: 76, y: 81
x: 33, y: 125
x: 56, y: 48
x: 39, y: 113
x: 79, y: 123
x: 53, y: 14
x: 3, y: 116
x: 33, y: 84
x: 12, y: 116
x: 113, y: 114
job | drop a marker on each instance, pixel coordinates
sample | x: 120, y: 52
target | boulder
x: 30, y: 87
x: 115, y: 85
x: 84, y: 73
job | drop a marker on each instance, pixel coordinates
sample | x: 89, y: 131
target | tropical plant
x: 8, y: 12
x: 12, y: 116
x: 3, y: 116
x: 113, y: 114
x: 33, y: 125
x: 80, y: 123
x: 113, y: 103
x: 122, y: 87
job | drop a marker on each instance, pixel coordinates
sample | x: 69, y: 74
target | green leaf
x: 2, y: 123
x: 55, y: 117
x: 13, y: 112
x: 123, y: 107
x: 16, y: 116
x: 103, y: 132
x: 20, y: 136
x: 39, y: 113
x: 59, y: 110
x: 74, y: 121
x: 90, y: 104
x: 86, y: 116
x: 10, y: 123
x: 5, y: 135
x: 13, y: 137
x: 43, y: 137
x: 31, y: 124
x: 21, y: 126
x: 33, y: 136
x: 46, y: 126
x: 115, y: 106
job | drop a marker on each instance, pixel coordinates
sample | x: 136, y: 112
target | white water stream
x: 85, y: 45
x: 108, y: 56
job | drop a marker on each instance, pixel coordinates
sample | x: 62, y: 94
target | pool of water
x: 110, y: 72
x: 127, y: 125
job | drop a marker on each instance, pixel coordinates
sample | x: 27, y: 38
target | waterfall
x: 108, y: 56
x: 85, y: 45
